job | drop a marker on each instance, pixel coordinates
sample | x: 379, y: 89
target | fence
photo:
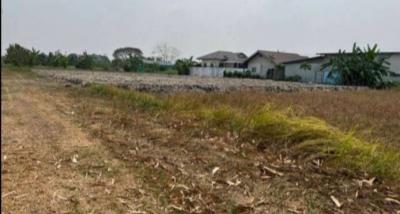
x: 212, y: 71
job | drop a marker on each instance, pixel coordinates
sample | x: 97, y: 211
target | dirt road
x: 50, y: 165
x: 64, y: 153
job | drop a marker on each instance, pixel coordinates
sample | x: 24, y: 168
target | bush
x: 183, y: 66
x: 365, y: 67
x: 239, y: 74
x: 85, y: 61
x: 133, y: 63
x: 295, y: 78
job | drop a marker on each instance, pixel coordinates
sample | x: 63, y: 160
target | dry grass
x: 163, y: 149
x: 372, y: 114
x: 255, y: 119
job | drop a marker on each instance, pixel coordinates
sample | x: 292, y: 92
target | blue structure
x: 333, y: 79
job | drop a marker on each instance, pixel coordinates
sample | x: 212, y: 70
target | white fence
x: 212, y: 71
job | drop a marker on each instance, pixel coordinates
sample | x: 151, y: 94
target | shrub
x: 183, y: 66
x: 366, y: 67
x: 85, y: 61
x: 295, y: 78
x: 239, y: 74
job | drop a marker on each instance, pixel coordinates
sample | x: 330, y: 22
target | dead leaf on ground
x: 215, y: 170
x: 336, y: 201
x: 236, y: 183
x: 273, y: 171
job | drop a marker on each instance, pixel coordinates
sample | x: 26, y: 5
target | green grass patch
x: 308, y: 136
x: 19, y: 70
x: 136, y: 99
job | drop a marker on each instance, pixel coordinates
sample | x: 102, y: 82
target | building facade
x: 216, y: 63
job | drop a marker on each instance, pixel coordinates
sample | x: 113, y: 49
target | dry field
x: 174, y: 83
x: 101, y: 149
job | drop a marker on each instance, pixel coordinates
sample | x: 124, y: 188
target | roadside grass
x: 261, y: 122
x: 21, y: 70
x: 136, y: 99
x: 304, y: 137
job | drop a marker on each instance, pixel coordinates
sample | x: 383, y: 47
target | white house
x: 214, y: 64
x: 317, y: 75
x: 263, y: 63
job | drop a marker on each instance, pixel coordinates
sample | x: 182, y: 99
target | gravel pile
x: 172, y: 83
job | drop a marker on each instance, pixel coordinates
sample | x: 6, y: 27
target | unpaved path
x: 66, y: 153
x: 50, y: 165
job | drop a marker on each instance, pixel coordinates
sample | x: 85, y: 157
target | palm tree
x: 305, y: 66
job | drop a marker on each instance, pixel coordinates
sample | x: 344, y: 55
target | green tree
x: 133, y: 63
x: 59, y: 60
x: 85, y: 61
x: 126, y: 53
x: 18, y: 55
x: 72, y: 59
x: 101, y: 61
x: 365, y: 67
x: 34, y: 57
x: 50, y: 59
x: 183, y: 66
x: 127, y: 58
x: 42, y: 59
x: 305, y: 66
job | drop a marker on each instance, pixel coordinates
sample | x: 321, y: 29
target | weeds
x: 136, y: 99
x: 304, y: 136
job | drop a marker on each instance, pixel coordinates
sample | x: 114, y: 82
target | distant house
x: 263, y: 63
x: 319, y: 75
x: 214, y: 64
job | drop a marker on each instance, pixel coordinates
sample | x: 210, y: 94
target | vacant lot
x: 101, y: 149
x: 173, y: 83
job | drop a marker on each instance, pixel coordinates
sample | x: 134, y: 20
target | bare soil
x: 64, y: 152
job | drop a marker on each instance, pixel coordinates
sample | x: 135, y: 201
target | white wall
x: 395, y: 63
x: 261, y: 65
x: 314, y: 75
x: 395, y: 67
x: 212, y: 72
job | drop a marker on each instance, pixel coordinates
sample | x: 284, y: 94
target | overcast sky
x: 198, y: 27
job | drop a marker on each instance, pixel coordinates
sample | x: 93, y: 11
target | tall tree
x: 72, y: 59
x: 42, y: 59
x: 17, y: 55
x: 34, y: 57
x: 101, y: 61
x: 126, y: 52
x: 85, y: 61
x: 167, y: 53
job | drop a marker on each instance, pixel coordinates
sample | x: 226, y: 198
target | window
x: 253, y: 69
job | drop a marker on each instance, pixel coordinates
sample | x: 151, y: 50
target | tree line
x: 124, y: 59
